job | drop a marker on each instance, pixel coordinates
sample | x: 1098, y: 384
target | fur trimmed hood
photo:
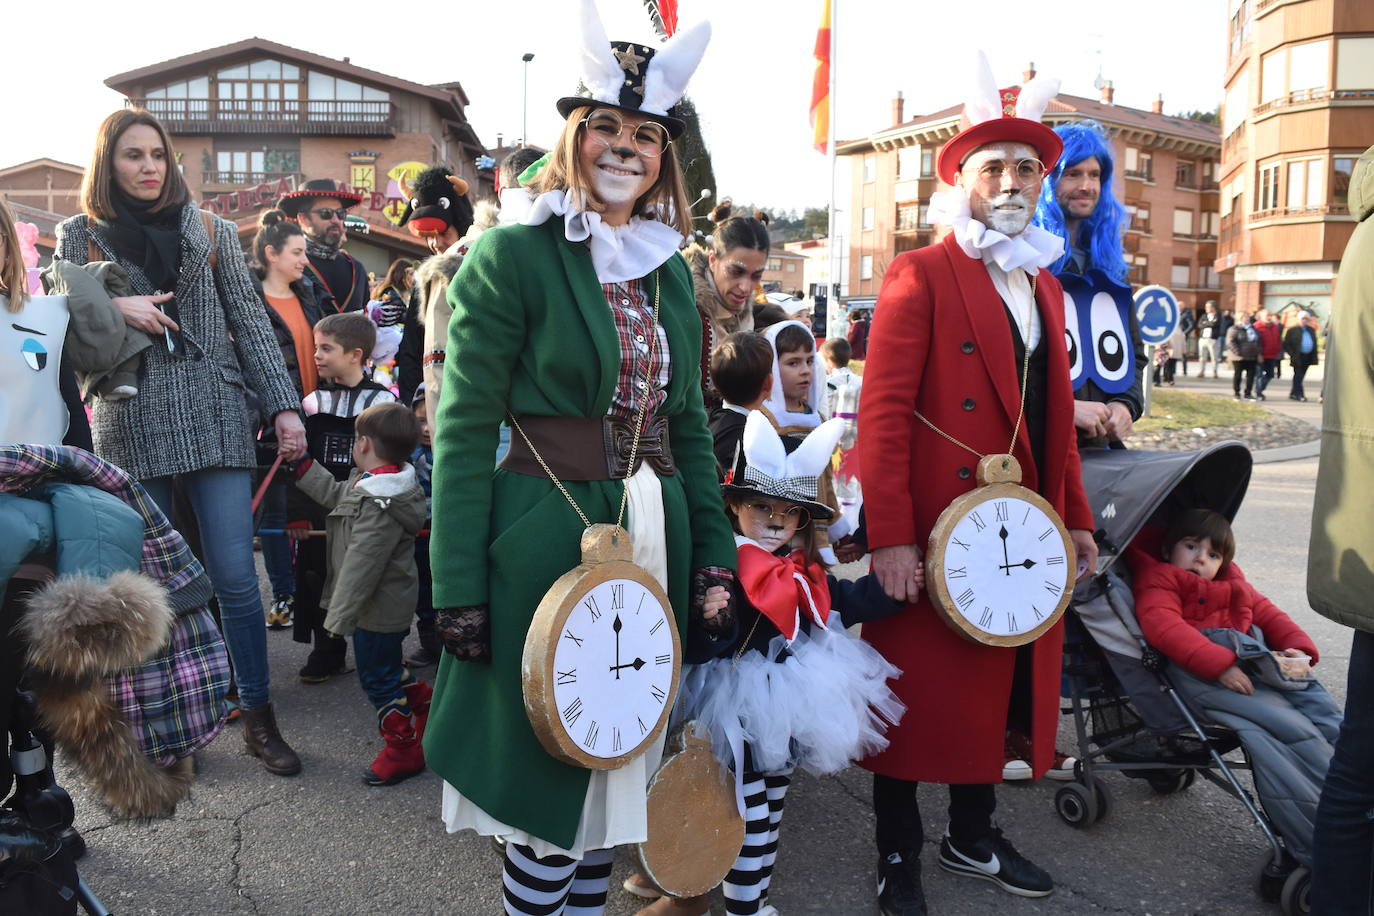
x: 710, y: 303
x: 79, y: 629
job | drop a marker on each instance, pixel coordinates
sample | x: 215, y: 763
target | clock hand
x: 1027, y: 563
x: 617, y: 666
x: 636, y: 664
x: 1005, y: 560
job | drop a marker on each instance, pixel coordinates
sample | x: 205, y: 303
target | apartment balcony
x: 1292, y: 213
x: 1312, y: 98
x: 301, y: 117
x: 220, y: 180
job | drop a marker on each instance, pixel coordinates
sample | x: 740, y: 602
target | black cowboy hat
x: 292, y: 204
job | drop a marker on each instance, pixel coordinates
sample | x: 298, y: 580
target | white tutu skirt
x: 822, y: 708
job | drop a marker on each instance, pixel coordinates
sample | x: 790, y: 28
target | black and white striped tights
x: 746, y: 886
x: 555, y: 885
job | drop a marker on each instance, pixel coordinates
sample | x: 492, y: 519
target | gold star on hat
x: 629, y: 60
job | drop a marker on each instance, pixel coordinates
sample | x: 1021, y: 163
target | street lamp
x: 525, y: 102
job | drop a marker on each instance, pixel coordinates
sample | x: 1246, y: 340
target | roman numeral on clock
x: 567, y: 677
x: 590, y: 604
x: 1002, y: 510
x: 568, y: 634
x: 618, y: 596
x: 1038, y: 614
x: 958, y: 572
x: 593, y: 732
x: 1053, y: 589
x: 958, y: 543
x: 643, y: 729
x: 1055, y: 561
x: 965, y: 599
x: 658, y: 625
x: 1011, y: 621
x: 978, y: 522
x: 663, y: 659
x: 986, y: 620
x: 572, y: 711
x: 615, y: 741
x: 657, y: 692
x: 1044, y: 534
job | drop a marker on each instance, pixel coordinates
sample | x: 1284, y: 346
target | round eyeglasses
x: 605, y: 126
x: 1027, y: 171
x: 766, y: 512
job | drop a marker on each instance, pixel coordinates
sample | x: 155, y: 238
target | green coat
x: 372, y: 582
x: 1340, y: 559
x: 532, y: 334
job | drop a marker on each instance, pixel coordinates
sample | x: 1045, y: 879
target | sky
x: 753, y: 88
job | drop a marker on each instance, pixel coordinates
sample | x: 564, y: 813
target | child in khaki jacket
x: 372, y: 583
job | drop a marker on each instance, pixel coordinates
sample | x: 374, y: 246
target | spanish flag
x: 820, y: 84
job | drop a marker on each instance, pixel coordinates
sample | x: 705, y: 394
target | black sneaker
x: 994, y: 859
x: 899, y: 886
x: 320, y: 666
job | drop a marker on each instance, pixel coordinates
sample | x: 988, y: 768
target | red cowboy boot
x: 419, y: 695
x: 401, y: 757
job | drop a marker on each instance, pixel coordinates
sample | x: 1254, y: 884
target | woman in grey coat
x: 189, y: 417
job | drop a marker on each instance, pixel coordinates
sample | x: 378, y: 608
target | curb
x: 1288, y: 452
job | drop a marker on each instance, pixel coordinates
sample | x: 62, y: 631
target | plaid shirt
x: 173, y: 702
x: 632, y: 311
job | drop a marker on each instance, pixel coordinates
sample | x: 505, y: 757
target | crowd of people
x: 426, y: 450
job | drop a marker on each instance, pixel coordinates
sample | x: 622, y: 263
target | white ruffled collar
x: 1033, y: 249
x: 619, y: 253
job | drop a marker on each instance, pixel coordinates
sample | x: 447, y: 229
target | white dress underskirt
x: 615, y: 810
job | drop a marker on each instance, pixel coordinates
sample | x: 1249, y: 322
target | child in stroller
x: 1240, y: 661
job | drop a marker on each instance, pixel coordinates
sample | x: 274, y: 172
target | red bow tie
x: 783, y: 588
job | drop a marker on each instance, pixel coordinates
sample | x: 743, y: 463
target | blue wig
x: 1100, y: 234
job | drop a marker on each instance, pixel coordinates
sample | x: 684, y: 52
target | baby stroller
x: 1127, y: 714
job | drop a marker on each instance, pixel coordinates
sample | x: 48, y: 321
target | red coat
x: 1173, y: 605
x: 941, y: 344
x: 1271, y: 339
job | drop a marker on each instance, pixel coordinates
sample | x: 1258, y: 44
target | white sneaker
x: 1063, y: 767
x: 1016, y: 769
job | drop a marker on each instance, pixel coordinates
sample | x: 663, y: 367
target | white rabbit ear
x: 812, y: 456
x: 672, y: 67
x: 599, y: 70
x: 763, y: 449
x: 983, y: 102
x: 1035, y: 97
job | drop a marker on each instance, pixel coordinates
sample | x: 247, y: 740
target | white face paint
x: 617, y: 182
x: 31, y: 406
x: 1006, y: 204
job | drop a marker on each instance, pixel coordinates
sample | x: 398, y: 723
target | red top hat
x: 1012, y: 116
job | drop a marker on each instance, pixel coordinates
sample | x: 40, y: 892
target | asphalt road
x: 324, y: 843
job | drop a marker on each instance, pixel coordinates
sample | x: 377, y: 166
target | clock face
x: 1006, y: 569
x: 614, y: 667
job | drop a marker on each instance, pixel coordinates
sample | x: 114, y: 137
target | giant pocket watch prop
x: 602, y: 658
x: 1000, y: 563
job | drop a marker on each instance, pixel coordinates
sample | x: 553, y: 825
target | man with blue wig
x: 1106, y: 353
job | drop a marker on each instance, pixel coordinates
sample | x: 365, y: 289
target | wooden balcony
x: 302, y: 117
x: 214, y: 180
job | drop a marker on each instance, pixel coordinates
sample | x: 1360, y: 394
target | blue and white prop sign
x: 1156, y: 311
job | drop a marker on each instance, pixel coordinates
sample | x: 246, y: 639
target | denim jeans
x: 276, y: 548
x: 1268, y: 369
x: 1343, y: 849
x: 222, y: 499
x: 380, y: 669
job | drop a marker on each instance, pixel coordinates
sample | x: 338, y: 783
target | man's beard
x: 1067, y: 206
x: 615, y: 189
x: 1010, y: 221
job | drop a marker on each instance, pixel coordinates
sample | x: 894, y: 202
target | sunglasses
x: 605, y: 126
x: 329, y: 212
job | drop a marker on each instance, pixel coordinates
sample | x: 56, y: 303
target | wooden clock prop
x: 695, y: 827
x: 602, y: 658
x: 1000, y: 563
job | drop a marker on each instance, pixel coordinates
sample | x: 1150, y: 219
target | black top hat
x: 292, y: 204
x: 778, y: 467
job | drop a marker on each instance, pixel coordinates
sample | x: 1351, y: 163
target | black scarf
x: 147, y: 238
x: 317, y: 248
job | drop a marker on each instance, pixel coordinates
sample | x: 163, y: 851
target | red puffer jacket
x: 1174, y: 604
x: 1271, y: 339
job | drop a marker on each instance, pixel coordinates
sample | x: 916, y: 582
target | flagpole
x: 832, y: 294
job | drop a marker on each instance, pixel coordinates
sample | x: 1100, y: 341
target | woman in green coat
x: 553, y: 325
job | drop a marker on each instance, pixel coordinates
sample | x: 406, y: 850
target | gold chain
x: 1025, y: 375
x: 639, y: 426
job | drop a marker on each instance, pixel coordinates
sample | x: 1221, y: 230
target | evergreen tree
x: 692, y: 155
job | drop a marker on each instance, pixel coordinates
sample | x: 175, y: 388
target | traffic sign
x: 1156, y: 311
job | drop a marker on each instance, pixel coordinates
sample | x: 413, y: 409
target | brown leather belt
x: 588, y: 448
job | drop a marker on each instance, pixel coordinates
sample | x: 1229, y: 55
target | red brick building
x: 1166, y: 174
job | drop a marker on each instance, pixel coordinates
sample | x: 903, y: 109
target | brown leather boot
x: 265, y: 742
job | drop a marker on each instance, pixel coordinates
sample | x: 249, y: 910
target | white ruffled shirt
x: 1010, y: 260
x: 619, y: 253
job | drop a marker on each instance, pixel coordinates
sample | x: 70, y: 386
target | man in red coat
x: 949, y: 339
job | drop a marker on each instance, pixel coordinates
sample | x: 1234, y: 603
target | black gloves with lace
x: 465, y: 632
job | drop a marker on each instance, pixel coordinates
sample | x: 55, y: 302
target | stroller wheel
x: 1077, y: 805
x: 1295, y: 900
x: 1167, y: 782
x: 1270, y: 878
